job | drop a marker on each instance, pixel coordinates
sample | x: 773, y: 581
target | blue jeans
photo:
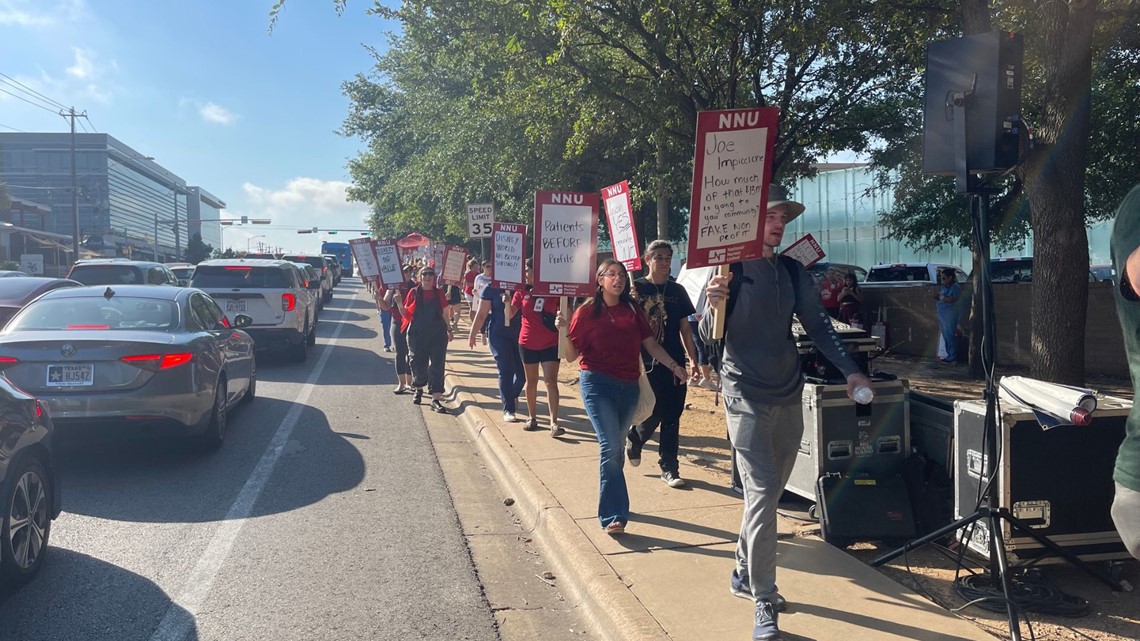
x: 512, y: 378
x: 609, y: 404
x: 948, y: 320
x: 386, y: 323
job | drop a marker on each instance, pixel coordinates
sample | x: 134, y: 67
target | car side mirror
x: 241, y: 321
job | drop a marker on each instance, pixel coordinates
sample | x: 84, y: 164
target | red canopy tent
x: 413, y: 240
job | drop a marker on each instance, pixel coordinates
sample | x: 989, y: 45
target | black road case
x: 1059, y: 481
x: 843, y: 437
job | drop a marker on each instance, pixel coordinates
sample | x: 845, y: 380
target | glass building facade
x: 126, y: 203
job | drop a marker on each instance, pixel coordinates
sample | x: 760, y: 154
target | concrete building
x: 128, y: 205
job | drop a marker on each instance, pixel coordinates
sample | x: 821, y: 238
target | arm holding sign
x: 568, y: 350
x: 477, y: 324
x: 716, y: 295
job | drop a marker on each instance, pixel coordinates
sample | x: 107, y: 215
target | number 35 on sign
x: 480, y: 220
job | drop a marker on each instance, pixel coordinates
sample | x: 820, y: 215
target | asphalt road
x: 324, y: 516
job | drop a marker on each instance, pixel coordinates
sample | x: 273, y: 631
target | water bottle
x: 864, y: 395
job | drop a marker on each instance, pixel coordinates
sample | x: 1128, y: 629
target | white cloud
x: 302, y: 203
x: 84, y: 66
x: 217, y: 114
x: 20, y: 14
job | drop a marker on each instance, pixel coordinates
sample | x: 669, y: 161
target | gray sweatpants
x: 1126, y: 516
x: 765, y: 439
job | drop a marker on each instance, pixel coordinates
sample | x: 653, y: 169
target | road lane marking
x: 180, y: 616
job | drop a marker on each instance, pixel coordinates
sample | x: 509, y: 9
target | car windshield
x: 107, y: 275
x: 183, y: 272
x: 898, y: 273
x: 95, y: 313
x: 1011, y: 271
x: 239, y: 276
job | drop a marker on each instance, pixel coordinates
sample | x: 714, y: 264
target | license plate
x: 70, y: 375
x: 235, y: 305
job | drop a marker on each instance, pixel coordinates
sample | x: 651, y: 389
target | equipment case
x: 1058, y: 481
x: 843, y: 437
x: 864, y: 508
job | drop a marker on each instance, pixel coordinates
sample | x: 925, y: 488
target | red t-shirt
x: 829, y: 293
x: 610, y: 343
x: 535, y: 334
x: 410, y: 304
x: 469, y: 282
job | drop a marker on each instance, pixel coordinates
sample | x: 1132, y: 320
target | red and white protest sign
x: 438, y: 251
x: 806, y: 250
x: 452, y: 266
x: 388, y: 263
x: 365, y: 258
x: 731, y: 173
x: 623, y: 233
x: 508, y: 253
x: 565, y: 243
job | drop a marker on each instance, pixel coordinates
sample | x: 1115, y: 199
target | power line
x: 34, y: 104
x: 88, y: 119
x: 14, y: 129
x: 29, y: 90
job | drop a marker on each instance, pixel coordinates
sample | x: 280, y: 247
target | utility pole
x: 177, y: 235
x: 70, y: 113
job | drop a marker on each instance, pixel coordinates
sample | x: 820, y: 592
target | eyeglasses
x: 612, y: 275
x: 428, y: 274
x: 664, y: 257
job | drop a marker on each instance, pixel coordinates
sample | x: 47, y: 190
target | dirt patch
x: 931, y: 570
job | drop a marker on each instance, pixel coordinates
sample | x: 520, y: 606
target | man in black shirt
x: 668, y: 307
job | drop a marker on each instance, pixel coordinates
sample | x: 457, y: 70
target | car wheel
x: 251, y: 391
x: 299, y: 353
x: 26, y: 522
x: 311, y: 337
x: 215, y: 432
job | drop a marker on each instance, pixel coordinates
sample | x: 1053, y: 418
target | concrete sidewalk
x: 667, y: 577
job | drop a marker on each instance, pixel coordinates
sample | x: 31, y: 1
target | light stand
x: 990, y: 511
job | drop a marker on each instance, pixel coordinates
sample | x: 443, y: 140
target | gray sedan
x: 160, y: 357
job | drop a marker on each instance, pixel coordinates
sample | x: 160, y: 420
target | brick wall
x: 912, y: 324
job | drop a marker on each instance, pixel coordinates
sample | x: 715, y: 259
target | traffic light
x: 367, y: 233
x: 332, y: 233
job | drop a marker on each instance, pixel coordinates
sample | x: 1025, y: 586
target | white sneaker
x: 509, y: 417
x: 708, y: 384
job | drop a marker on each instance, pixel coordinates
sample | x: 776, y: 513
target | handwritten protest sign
x: 623, y: 234
x: 508, y: 251
x: 731, y: 172
x: 365, y: 258
x: 388, y: 260
x: 806, y: 250
x: 565, y: 243
x: 454, y: 262
x: 438, y: 251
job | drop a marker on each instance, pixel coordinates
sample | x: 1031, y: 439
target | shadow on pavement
x: 157, y: 480
x: 77, y: 596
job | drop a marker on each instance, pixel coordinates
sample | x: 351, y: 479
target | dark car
x: 165, y: 358
x: 17, y: 292
x: 29, y: 486
x: 121, y: 271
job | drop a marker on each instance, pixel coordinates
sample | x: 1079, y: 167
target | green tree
x: 197, y: 250
x: 227, y: 253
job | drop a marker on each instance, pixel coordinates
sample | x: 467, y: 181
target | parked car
x: 909, y: 274
x: 183, y: 272
x: 1019, y: 269
x: 318, y: 262
x: 12, y: 274
x: 121, y: 271
x: 161, y: 357
x: 15, y: 293
x: 819, y: 271
x: 271, y: 292
x: 30, y: 496
x: 1103, y: 272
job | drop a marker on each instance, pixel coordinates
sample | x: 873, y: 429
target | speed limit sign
x: 480, y: 220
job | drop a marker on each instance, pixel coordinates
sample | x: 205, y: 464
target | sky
x: 206, y: 89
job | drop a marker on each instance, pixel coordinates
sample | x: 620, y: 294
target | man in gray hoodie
x: 762, y: 384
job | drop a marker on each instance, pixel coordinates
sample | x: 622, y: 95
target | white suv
x: 272, y: 293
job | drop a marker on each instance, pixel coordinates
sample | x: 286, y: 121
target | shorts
x: 535, y: 356
x: 453, y: 298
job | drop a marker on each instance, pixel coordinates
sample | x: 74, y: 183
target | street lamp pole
x: 247, y: 241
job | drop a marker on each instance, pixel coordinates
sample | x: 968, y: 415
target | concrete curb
x: 610, y: 605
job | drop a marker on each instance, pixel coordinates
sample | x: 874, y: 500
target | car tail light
x: 238, y: 268
x: 288, y: 302
x: 41, y: 410
x: 324, y: 269
x: 155, y: 362
x: 7, y: 361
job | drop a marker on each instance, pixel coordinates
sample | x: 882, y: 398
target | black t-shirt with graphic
x: 666, y: 306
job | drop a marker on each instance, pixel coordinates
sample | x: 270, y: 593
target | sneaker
x: 615, y: 528
x: 672, y: 479
x: 708, y: 384
x: 399, y: 390
x: 633, y: 453
x: 509, y: 417
x: 740, y: 586
x: 765, y: 620
x: 436, y: 406
x: 531, y: 425
x: 418, y: 397
x: 556, y: 429
x: 387, y: 348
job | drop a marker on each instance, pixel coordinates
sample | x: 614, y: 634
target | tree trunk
x: 662, y: 196
x: 1054, y: 175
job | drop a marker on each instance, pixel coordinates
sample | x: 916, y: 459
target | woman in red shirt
x: 425, y: 314
x: 538, y: 345
x: 607, y: 333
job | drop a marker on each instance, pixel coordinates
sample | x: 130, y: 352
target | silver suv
x: 121, y: 271
x: 272, y: 293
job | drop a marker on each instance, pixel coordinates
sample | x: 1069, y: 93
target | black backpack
x: 716, y: 347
